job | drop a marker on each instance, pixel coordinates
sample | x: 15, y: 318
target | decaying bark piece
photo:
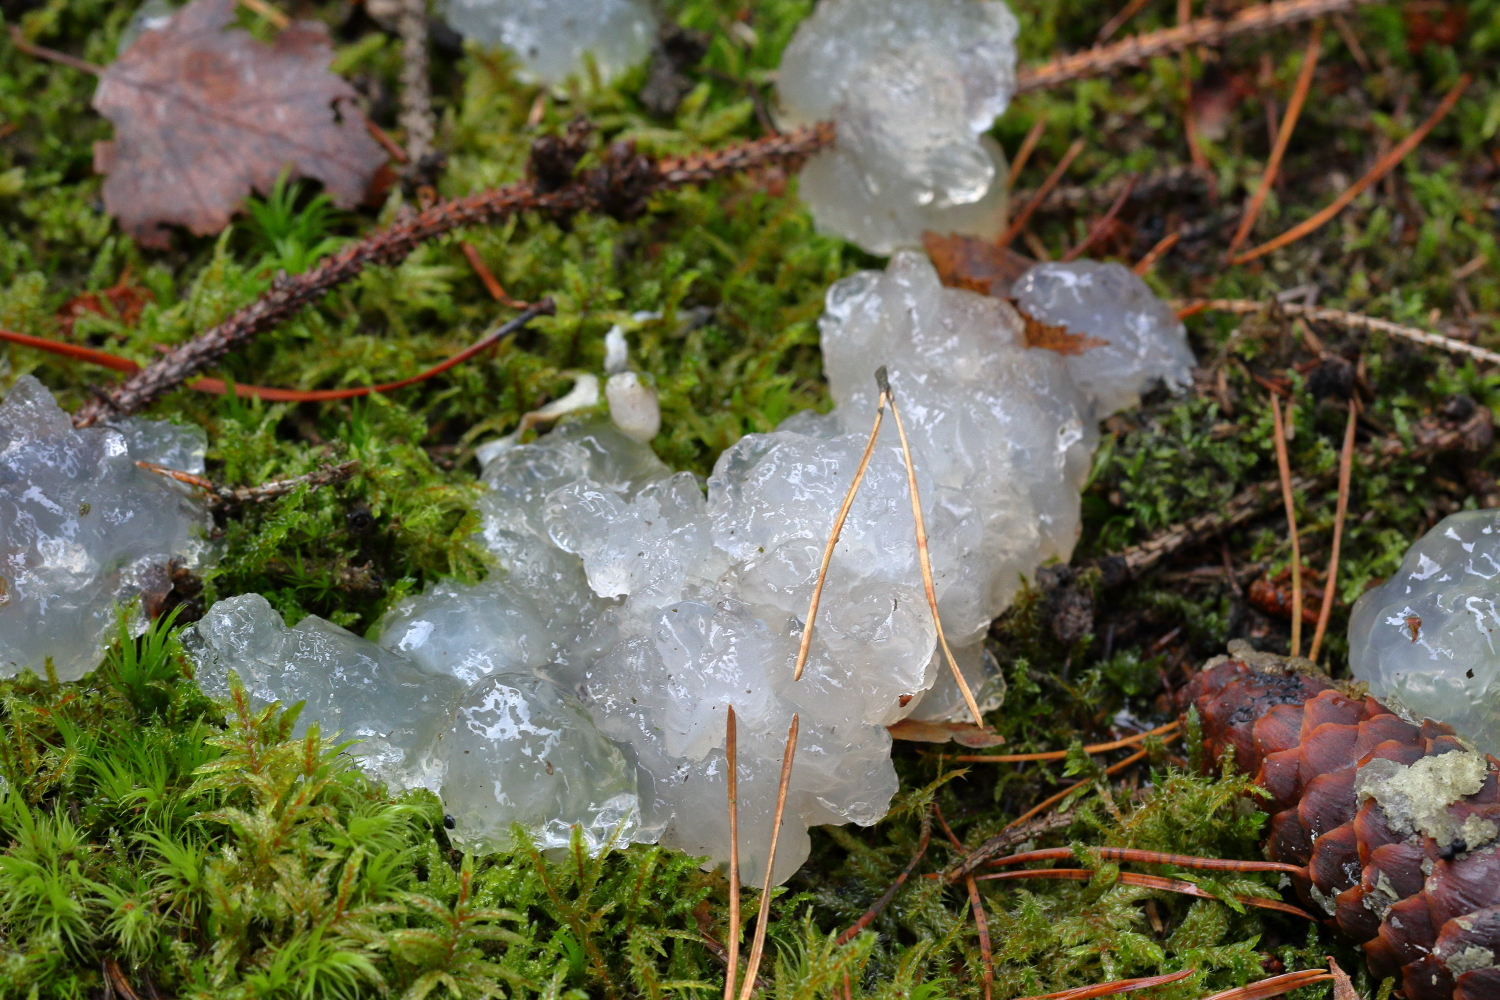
x: 203, y: 115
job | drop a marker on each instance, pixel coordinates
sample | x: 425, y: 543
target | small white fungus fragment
x: 553, y: 38
x: 659, y: 607
x: 911, y: 85
x: 85, y: 531
x: 616, y: 350
x: 1427, y: 638
x: 1416, y: 798
x: 633, y: 406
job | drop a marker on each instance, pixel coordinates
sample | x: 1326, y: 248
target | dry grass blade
x: 1275, y: 986
x: 922, y: 554
x: 1099, y: 228
x: 731, y: 754
x: 1018, y: 758
x: 976, y: 904
x: 1383, y: 166
x: 1041, y: 193
x: 838, y: 528
x: 1341, y: 509
x: 1284, y: 469
x: 1153, y: 858
x: 1347, y: 320
x: 1283, y: 137
x: 1028, y: 146
x: 1115, y: 988
x: 763, y: 919
x: 1167, y: 242
x: 885, y: 898
x: 1144, y: 881
x: 1204, y: 31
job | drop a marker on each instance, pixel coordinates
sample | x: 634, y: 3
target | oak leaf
x: 203, y: 115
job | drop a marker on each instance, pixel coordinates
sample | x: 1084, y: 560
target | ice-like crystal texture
x: 510, y: 749
x: 83, y: 529
x: 1428, y: 639
x: 1144, y: 340
x: 550, y: 37
x: 912, y: 85
x: 659, y: 604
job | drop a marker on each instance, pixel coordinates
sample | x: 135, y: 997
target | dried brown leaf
x: 1057, y: 338
x: 203, y: 115
x: 972, y: 263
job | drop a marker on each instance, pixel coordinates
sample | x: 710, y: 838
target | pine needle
x: 1028, y: 146
x: 762, y: 919
x: 1041, y: 193
x: 1018, y: 758
x: 1284, y: 469
x: 1115, y: 988
x: 731, y: 752
x: 1346, y: 468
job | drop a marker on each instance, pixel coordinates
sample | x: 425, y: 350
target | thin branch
x: 51, y: 55
x: 923, y: 557
x: 763, y: 918
x: 1283, y: 468
x: 1167, y: 242
x: 240, y: 496
x: 1176, y: 885
x: 1152, y: 858
x: 1115, y: 988
x: 1283, y: 138
x: 885, y: 898
x: 731, y: 753
x: 1383, y: 166
x: 1051, y: 182
x: 1028, y: 146
x: 1341, y: 508
x: 1102, y: 225
x: 838, y: 529
x: 1138, y: 49
x: 620, y: 186
x: 1018, y: 758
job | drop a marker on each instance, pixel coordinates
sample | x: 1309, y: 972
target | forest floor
x: 284, y: 873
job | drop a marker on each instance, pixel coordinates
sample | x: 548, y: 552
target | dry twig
x: 1341, y: 508
x: 763, y: 919
x: 1204, y: 31
x: 1383, y: 166
x: 1283, y: 467
x: 1283, y: 138
x: 239, y: 496
x: 619, y: 186
x: 838, y: 528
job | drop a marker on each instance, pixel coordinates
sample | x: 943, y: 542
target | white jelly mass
x: 642, y: 606
x: 551, y: 37
x: 84, y: 531
x: 911, y: 85
x: 1427, y: 641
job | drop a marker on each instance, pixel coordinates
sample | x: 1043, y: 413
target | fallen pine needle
x: 1155, y: 254
x: 1041, y: 194
x: 1284, y: 469
x: 981, y: 922
x: 1131, y: 854
x: 1341, y: 509
x: 1028, y: 146
x: 1114, y: 988
x: 1017, y: 758
x: 18, y: 39
x: 1275, y: 986
x: 1098, y: 229
x: 491, y: 283
x: 838, y: 528
x: 763, y: 919
x: 1283, y: 137
x: 885, y: 898
x: 731, y: 753
x: 1383, y: 166
x: 1144, y: 881
x: 1117, y: 22
x: 922, y: 555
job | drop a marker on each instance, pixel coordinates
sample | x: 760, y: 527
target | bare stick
x: 763, y: 918
x: 1383, y: 166
x: 1346, y: 468
x: 1041, y: 193
x: 619, y: 186
x: 922, y: 555
x: 1204, y: 31
x: 1028, y: 146
x: 1167, y: 242
x: 838, y: 528
x: 1284, y: 468
x: 731, y: 751
x: 1283, y: 137
x: 1098, y: 229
